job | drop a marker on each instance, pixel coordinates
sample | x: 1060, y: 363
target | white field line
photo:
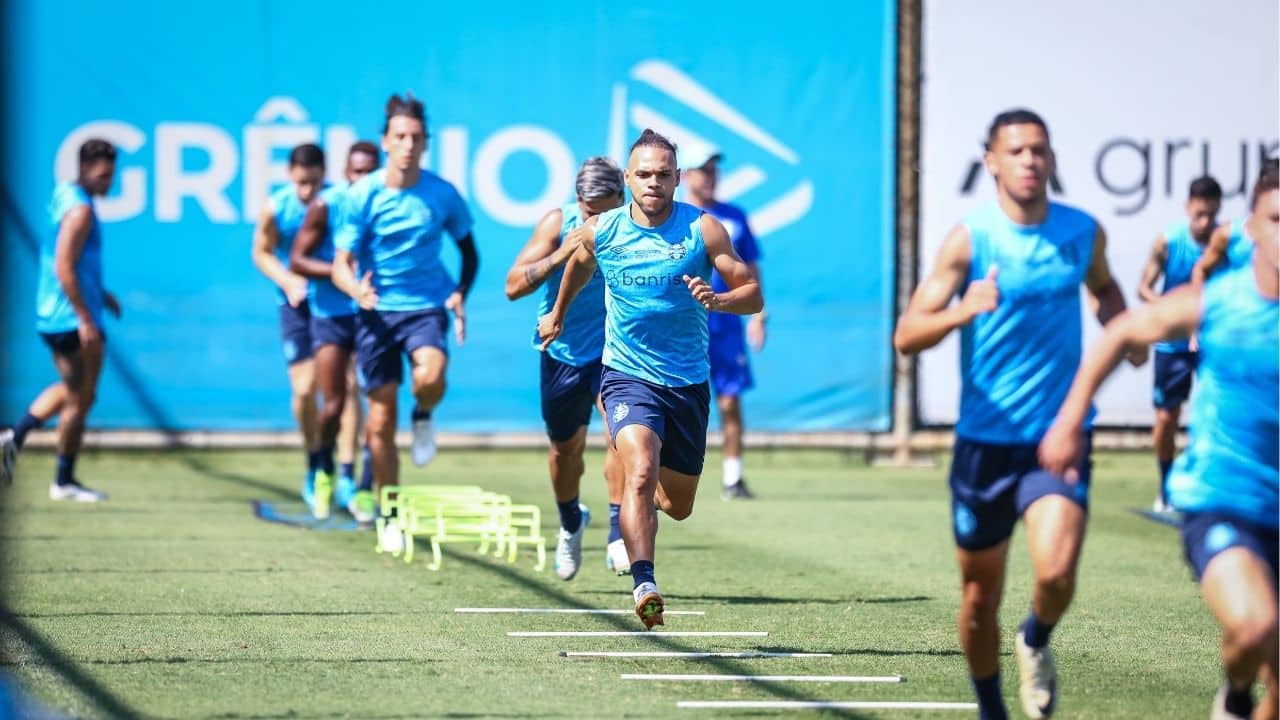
x: 767, y: 678
x: 565, y: 611
x: 634, y: 633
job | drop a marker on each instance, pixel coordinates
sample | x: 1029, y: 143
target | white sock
x: 732, y: 470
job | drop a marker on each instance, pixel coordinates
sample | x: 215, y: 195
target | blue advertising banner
x: 205, y: 104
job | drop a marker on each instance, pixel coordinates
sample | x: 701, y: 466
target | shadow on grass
x: 746, y: 599
x: 204, y: 468
x: 558, y: 598
x: 91, y: 689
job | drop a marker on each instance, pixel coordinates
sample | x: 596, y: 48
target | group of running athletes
x: 628, y: 290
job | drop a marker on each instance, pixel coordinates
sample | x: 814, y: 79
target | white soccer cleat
x: 1037, y: 679
x: 569, y: 547
x: 8, y: 457
x: 391, y: 539
x: 75, y: 492
x: 616, y: 559
x: 423, y: 449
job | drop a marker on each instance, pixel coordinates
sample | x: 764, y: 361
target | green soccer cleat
x: 322, y: 495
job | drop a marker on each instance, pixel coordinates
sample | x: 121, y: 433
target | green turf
x: 180, y: 603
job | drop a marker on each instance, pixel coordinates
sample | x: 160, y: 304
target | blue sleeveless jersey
x: 1239, y: 247
x: 325, y: 298
x: 395, y: 233
x: 1017, y: 362
x: 288, y: 211
x: 654, y: 329
x: 582, y: 339
x: 54, y: 313
x: 1233, y: 461
x: 1181, y: 253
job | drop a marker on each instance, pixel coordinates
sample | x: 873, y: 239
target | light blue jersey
x: 582, y: 339
x: 1017, y: 362
x: 1239, y: 246
x: 1233, y: 461
x: 1181, y: 253
x: 325, y: 298
x: 395, y: 234
x: 654, y: 330
x: 54, y: 313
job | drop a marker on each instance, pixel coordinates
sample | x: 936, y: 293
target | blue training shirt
x: 1017, y: 362
x: 288, y: 211
x: 654, y: 330
x: 744, y: 244
x: 54, y: 313
x: 581, y: 340
x: 395, y: 233
x: 325, y: 298
x: 1181, y: 253
x: 1232, y: 464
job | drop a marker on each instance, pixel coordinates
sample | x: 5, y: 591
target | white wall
x: 1119, y: 84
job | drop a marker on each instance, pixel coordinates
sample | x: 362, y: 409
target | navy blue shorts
x: 295, y: 332
x: 992, y: 485
x: 1206, y: 534
x: 383, y: 338
x: 730, y: 369
x: 1174, y: 372
x: 568, y: 396
x: 68, y: 342
x: 677, y: 414
x: 339, y: 330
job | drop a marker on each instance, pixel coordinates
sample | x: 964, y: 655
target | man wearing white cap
x: 730, y: 368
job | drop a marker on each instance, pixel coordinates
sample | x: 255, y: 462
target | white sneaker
x: 1037, y: 679
x: 569, y: 548
x: 423, y: 449
x: 75, y: 492
x: 8, y: 457
x: 390, y: 539
x: 1160, y: 506
x: 615, y: 557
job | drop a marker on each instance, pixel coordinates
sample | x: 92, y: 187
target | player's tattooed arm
x: 1152, y: 271
x: 578, y: 272
x: 542, y: 254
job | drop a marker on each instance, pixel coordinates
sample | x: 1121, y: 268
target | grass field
x: 173, y: 600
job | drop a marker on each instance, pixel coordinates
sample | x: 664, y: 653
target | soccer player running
x: 278, y: 223
x: 333, y: 335
x: 1226, y: 481
x: 70, y: 301
x: 392, y: 226
x: 656, y: 256
x: 1232, y: 243
x: 1017, y: 265
x: 730, y: 369
x: 1173, y: 255
x: 570, y: 369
